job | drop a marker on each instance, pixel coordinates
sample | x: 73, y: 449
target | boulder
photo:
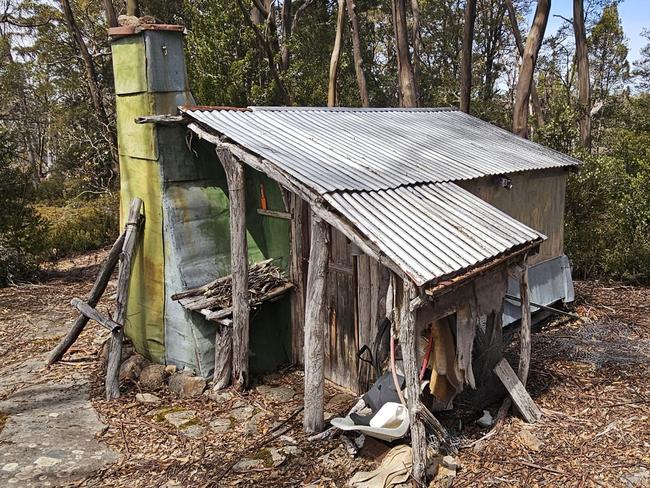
x: 280, y: 394
x: 152, y: 377
x: 186, y: 385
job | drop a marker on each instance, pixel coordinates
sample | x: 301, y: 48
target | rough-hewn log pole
x: 222, y: 358
x: 315, y: 319
x: 131, y: 234
x: 93, y: 298
x: 408, y: 344
x: 525, y: 331
x: 238, y: 266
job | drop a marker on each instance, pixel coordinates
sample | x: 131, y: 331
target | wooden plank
x: 93, y: 298
x: 408, y: 344
x: 274, y: 214
x: 365, y: 322
x: 525, y: 404
x: 132, y: 231
x: 238, y: 266
x: 315, y: 319
x: 93, y: 314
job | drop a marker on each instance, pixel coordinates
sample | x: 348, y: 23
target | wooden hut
x: 418, y: 215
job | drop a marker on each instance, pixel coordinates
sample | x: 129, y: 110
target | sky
x: 635, y: 15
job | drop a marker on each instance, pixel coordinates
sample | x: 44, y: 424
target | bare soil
x: 591, y: 378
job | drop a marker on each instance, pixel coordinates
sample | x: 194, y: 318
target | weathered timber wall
x: 536, y: 199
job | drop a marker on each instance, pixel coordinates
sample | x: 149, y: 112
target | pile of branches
x: 263, y: 277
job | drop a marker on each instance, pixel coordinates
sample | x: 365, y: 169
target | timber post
x: 408, y: 344
x: 525, y: 331
x: 131, y: 233
x: 235, y: 174
x: 315, y: 319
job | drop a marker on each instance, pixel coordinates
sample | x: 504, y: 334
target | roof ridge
x: 258, y: 108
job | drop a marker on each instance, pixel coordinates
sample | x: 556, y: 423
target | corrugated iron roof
x: 432, y: 230
x: 333, y: 149
x: 389, y: 173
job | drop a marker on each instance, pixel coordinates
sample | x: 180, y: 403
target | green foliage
x: 76, y: 228
x: 21, y: 229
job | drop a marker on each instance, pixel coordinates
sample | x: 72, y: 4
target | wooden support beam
x: 517, y: 391
x: 235, y: 175
x: 525, y: 330
x: 93, y: 298
x: 315, y: 323
x: 299, y: 235
x: 408, y: 344
x: 93, y: 314
x: 131, y: 233
x: 222, y: 358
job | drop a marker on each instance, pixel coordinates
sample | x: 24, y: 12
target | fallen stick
x: 93, y: 298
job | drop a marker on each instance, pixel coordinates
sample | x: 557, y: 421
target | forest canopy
x: 572, y: 89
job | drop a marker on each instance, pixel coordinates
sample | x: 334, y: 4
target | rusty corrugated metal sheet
x: 371, y: 149
x: 434, y: 230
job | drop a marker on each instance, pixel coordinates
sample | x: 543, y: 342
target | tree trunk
x: 234, y: 170
x: 408, y: 95
x: 356, y: 52
x: 222, y: 358
x: 582, y: 60
x: 466, y: 56
x: 527, y: 70
x: 336, y: 55
x: 534, y: 96
x: 315, y: 323
x: 111, y: 16
x: 132, y: 8
x: 417, y: 42
x: 92, y: 81
x: 286, y: 34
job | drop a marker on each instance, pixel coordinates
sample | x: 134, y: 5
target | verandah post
x: 235, y: 175
x: 315, y: 321
x: 408, y: 344
x: 525, y: 332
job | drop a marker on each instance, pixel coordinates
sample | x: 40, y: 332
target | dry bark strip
x: 133, y: 224
x: 93, y: 298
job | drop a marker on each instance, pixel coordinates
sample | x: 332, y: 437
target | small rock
x: 152, y: 377
x: 10, y: 467
x: 277, y: 393
x: 486, y: 420
x: 147, y: 398
x: 337, y: 401
x: 221, y: 426
x: 180, y: 418
x: 242, y: 414
x: 529, y: 440
x: 170, y: 369
x: 186, y: 386
x: 131, y: 368
x: 446, y: 472
x: 219, y: 396
x: 246, y: 465
x: 127, y: 351
x: 171, y: 484
x: 253, y: 425
x: 193, y: 431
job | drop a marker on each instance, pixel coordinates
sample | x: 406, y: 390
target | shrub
x: 80, y: 227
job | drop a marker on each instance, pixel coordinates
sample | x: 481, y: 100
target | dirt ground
x: 590, y: 377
